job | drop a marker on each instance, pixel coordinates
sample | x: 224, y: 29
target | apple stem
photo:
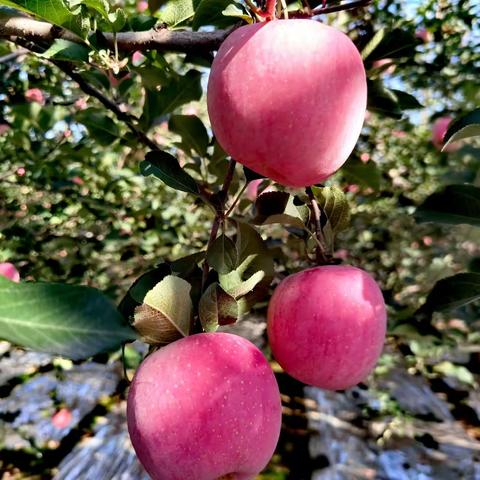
x: 320, y: 248
x: 270, y: 9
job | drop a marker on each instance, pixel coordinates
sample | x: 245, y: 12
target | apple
x: 439, y: 129
x: 204, y: 407
x: 4, y: 128
x: 62, y: 419
x: 252, y: 189
x: 35, y: 95
x: 326, y: 325
x: 9, y: 271
x: 287, y: 99
x: 142, y: 6
x: 390, y: 70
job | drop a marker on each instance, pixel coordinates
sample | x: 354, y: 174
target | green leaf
x: 373, y: 43
x: 210, y: 12
x: 73, y: 321
x: 254, y: 266
x: 270, y: 203
x: 464, y: 127
x: 453, y: 292
x: 167, y: 169
x: 177, y: 92
x: 166, y: 312
x: 222, y: 255
x: 365, y: 174
x: 236, y: 287
x: 382, y: 100
x: 236, y: 10
x: 396, y: 43
x: 458, y: 371
x: 136, y: 293
x: 285, y: 220
x: 335, y: 208
x: 177, y: 11
x: 66, y: 50
x: 216, y: 308
x: 405, y: 101
x: 53, y: 11
x: 193, y: 132
x: 117, y: 19
x: 251, y: 175
x: 100, y: 127
x: 100, y: 6
x: 277, y: 207
x: 455, y: 204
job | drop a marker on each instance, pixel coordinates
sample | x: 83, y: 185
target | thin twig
x: 219, y: 217
x: 106, y: 102
x: 236, y: 200
x: 341, y: 7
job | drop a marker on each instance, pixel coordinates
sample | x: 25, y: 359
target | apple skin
x: 287, y: 99
x: 439, y: 129
x: 9, y: 271
x: 204, y: 407
x: 326, y: 325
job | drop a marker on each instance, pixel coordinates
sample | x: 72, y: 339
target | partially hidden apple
x: 287, y: 99
x: 9, y: 271
x: 204, y: 407
x: 439, y: 129
x: 326, y: 325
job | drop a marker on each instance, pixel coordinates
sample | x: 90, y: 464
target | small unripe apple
x: 326, y: 325
x: 9, y: 271
x: 204, y: 407
x: 439, y: 129
x: 287, y: 99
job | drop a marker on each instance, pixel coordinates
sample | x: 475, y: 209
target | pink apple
x: 9, y: 271
x: 4, y: 128
x: 81, y: 103
x: 385, y: 61
x: 252, y: 189
x: 35, y: 95
x: 439, y: 129
x: 137, y: 58
x: 424, y: 35
x: 326, y: 325
x: 62, y: 418
x: 204, y: 407
x: 287, y: 99
x: 142, y: 6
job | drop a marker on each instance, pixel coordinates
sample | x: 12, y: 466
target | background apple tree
x: 111, y: 180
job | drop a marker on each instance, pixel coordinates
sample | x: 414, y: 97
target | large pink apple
x: 326, y: 325
x: 439, y: 129
x: 204, y: 407
x: 287, y: 99
x: 9, y: 271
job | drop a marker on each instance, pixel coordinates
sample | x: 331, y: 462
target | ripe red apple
x: 326, y: 325
x: 9, y: 271
x: 287, y: 99
x: 439, y: 129
x: 204, y: 407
